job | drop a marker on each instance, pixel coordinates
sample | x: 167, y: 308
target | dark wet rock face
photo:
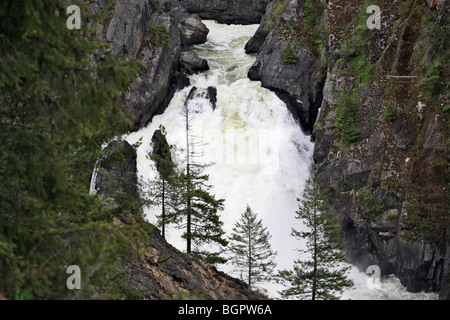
x: 389, y: 184
x: 225, y: 11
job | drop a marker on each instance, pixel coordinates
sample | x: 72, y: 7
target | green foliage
x: 180, y: 27
x: 346, y: 113
x: 369, y: 201
x: 274, y: 16
x: 199, y: 214
x: 183, y: 295
x: 437, y: 35
x: 319, y: 275
x: 427, y: 217
x: 393, y: 215
x: 446, y: 108
x: 164, y: 191
x: 390, y: 113
x: 168, y: 6
x: 432, y: 82
x: 309, y: 13
x: 155, y: 4
x: 289, y: 53
x: 60, y: 99
x: 250, y: 248
x: 312, y: 30
x: 162, y: 37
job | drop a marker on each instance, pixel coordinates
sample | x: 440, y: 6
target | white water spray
x: 261, y: 156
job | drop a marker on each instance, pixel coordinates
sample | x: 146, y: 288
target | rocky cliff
x: 381, y: 131
x: 153, y: 32
x: 228, y: 11
x: 374, y: 99
x: 163, y: 272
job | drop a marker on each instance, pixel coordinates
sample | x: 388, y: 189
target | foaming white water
x: 261, y: 157
x: 388, y: 288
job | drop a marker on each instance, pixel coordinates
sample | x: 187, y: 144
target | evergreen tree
x: 60, y: 99
x: 200, y: 215
x: 320, y: 276
x: 164, y: 191
x: 251, y: 250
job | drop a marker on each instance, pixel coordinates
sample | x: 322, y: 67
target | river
x: 259, y: 154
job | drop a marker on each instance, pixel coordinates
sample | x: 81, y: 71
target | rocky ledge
x: 163, y: 272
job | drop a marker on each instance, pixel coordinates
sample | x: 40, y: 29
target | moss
x: 368, y: 200
x: 432, y: 82
x: 289, y: 54
x: 391, y: 216
x: 274, y: 16
x: 390, y: 113
x: 162, y: 37
x: 346, y: 113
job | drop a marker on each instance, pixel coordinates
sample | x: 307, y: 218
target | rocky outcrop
x: 210, y: 94
x: 298, y: 83
x: 225, y: 11
x: 193, y: 31
x: 389, y: 181
x: 153, y: 90
x: 192, y: 64
x: 160, y: 271
x: 388, y: 185
x: 152, y: 32
x: 256, y: 42
x: 163, y: 272
x: 128, y: 25
x: 118, y: 181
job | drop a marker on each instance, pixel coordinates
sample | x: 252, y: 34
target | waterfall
x: 92, y: 190
x: 259, y: 154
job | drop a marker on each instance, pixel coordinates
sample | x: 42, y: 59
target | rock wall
x: 299, y: 84
x: 162, y: 272
x: 154, y: 33
x: 381, y: 148
x: 228, y: 11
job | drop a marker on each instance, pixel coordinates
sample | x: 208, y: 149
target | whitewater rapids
x: 259, y: 153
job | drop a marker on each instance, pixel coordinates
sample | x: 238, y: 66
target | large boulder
x: 191, y: 64
x: 193, y: 30
x: 119, y: 180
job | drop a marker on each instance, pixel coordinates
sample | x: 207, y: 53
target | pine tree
x: 322, y: 275
x: 60, y: 100
x: 164, y: 191
x: 200, y: 213
x: 251, y: 250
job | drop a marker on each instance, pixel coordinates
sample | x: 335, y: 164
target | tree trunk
x: 314, y: 288
x: 188, y: 186
x: 163, y: 227
x: 249, y: 260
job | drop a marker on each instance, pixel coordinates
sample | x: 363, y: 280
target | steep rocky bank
x: 163, y: 272
x: 159, y: 271
x: 382, y: 127
x: 373, y: 99
x: 154, y: 33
